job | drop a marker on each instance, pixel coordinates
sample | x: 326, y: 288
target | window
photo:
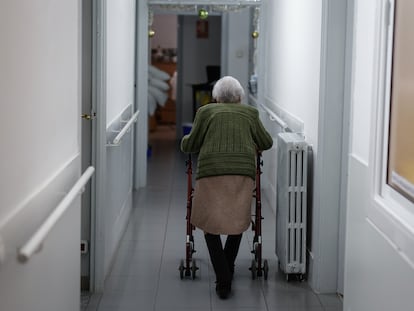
x: 392, y: 210
x: 400, y: 173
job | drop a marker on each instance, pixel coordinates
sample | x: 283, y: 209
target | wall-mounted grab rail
x: 275, y: 118
x: 34, y: 244
x: 125, y: 129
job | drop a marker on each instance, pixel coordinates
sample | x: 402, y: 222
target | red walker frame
x: 189, y: 267
x: 259, y: 267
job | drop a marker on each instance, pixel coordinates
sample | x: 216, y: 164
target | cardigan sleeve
x: 261, y: 137
x: 192, y: 142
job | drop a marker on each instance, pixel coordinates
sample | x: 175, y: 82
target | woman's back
x: 226, y: 137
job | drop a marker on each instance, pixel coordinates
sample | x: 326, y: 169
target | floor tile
x: 292, y: 299
x: 330, y: 301
x: 130, y: 284
x: 187, y: 293
x: 143, y: 300
x: 240, y: 299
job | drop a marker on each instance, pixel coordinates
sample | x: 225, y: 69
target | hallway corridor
x: 145, y: 276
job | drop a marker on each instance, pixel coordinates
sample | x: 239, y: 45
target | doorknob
x: 88, y: 116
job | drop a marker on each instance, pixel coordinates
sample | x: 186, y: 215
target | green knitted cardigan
x: 226, y: 136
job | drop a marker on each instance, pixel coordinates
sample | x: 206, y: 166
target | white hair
x: 228, y: 90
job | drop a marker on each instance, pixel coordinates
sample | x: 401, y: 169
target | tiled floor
x: 145, y: 273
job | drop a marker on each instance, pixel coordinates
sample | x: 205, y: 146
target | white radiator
x: 292, y: 174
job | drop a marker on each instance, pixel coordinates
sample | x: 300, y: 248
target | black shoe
x: 223, y: 289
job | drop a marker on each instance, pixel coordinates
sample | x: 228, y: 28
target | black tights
x: 223, y: 258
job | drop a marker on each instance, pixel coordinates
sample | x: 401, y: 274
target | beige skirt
x: 222, y: 204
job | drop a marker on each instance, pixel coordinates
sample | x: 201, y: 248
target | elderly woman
x: 227, y: 135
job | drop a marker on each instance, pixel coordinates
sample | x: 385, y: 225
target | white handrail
x: 121, y: 134
x: 274, y: 117
x: 34, y: 244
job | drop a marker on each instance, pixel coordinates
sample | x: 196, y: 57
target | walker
x: 189, y: 267
x: 258, y: 268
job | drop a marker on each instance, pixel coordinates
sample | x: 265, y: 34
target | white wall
x: 120, y: 49
x: 119, y: 172
x: 45, y: 65
x: 235, y: 46
x: 165, y: 27
x: 363, y: 83
x: 40, y: 153
x: 378, y: 275
x: 120, y: 77
x: 292, y: 60
x: 289, y: 73
x: 303, y: 70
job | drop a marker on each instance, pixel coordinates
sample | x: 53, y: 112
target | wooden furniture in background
x: 166, y: 114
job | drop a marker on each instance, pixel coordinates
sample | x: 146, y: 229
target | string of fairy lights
x: 203, y: 9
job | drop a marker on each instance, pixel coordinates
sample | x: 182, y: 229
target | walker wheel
x: 194, y: 268
x: 265, y: 269
x: 259, y: 271
x: 181, y: 269
x: 188, y: 271
x: 253, y: 269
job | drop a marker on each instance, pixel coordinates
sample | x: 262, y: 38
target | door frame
x: 97, y: 247
x: 141, y: 97
x: 346, y: 131
x: 327, y: 264
x: 87, y: 137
